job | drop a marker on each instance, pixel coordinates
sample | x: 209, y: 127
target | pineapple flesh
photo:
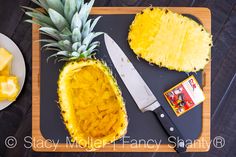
x: 170, y: 40
x: 91, y: 103
x: 5, y: 59
x: 9, y: 88
x: 6, y: 71
x: 90, y: 100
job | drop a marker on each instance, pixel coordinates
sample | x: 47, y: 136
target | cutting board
x: 143, y: 128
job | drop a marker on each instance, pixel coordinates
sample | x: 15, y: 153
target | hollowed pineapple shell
x: 91, y: 104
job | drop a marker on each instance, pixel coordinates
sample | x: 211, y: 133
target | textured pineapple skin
x: 91, y: 104
x: 170, y: 40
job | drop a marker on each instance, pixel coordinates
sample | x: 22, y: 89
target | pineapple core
x: 5, y: 58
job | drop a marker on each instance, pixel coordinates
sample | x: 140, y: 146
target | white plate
x: 18, y: 64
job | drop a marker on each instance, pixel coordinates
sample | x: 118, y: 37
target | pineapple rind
x: 83, y: 136
x: 170, y: 40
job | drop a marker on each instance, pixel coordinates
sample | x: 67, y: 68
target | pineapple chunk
x: 9, y: 88
x: 6, y: 71
x: 5, y: 58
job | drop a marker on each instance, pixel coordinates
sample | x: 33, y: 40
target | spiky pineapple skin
x: 170, y: 40
x: 78, y: 130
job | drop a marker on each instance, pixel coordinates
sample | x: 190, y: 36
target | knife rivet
x: 162, y: 115
x: 171, y: 129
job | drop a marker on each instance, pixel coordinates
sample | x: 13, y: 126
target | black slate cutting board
x: 141, y: 125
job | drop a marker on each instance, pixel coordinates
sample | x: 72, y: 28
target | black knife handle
x: 175, y: 137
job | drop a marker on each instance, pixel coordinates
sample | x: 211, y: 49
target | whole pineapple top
x: 170, y: 40
x: 67, y: 23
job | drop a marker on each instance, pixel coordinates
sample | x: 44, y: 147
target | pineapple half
x: 170, y: 40
x: 91, y: 103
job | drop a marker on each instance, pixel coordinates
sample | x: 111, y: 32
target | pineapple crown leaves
x: 67, y: 23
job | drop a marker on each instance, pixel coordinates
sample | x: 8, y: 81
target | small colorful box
x: 185, y: 96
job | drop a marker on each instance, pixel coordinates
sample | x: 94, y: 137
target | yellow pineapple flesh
x: 92, y: 106
x: 6, y: 71
x: 170, y: 40
x: 5, y: 58
x: 9, y: 88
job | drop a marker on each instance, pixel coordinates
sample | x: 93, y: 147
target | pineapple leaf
x: 85, y: 54
x: 76, y: 35
x: 90, y: 5
x: 63, y: 59
x: 69, y: 59
x: 65, y: 45
x: 63, y: 2
x: 65, y: 37
x: 41, y: 3
x: 75, y: 54
x: 95, y: 43
x: 82, y: 48
x: 76, y: 45
x: 58, y: 20
x: 51, y: 32
x: 46, y: 40
x: 86, y: 29
x: 76, y: 22
x: 31, y: 9
x: 69, y: 9
x: 92, y: 48
x: 56, y: 5
x: 64, y: 53
x: 44, y: 4
x: 94, y: 23
x: 51, y: 45
x: 60, y: 53
x: 80, y: 4
x: 66, y: 21
x: 66, y: 31
x: 41, y: 17
x: 37, y: 23
x: 52, y: 49
x: 84, y: 12
x: 90, y: 37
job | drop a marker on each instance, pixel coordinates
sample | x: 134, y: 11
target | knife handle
x: 175, y: 137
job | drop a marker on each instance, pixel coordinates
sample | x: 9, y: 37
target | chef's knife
x: 141, y: 93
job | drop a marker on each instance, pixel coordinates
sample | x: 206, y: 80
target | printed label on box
x: 185, y: 96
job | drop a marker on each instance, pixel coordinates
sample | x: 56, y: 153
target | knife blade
x: 141, y: 93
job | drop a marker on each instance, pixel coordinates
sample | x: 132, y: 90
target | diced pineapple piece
x: 5, y: 58
x: 6, y: 71
x: 9, y: 88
